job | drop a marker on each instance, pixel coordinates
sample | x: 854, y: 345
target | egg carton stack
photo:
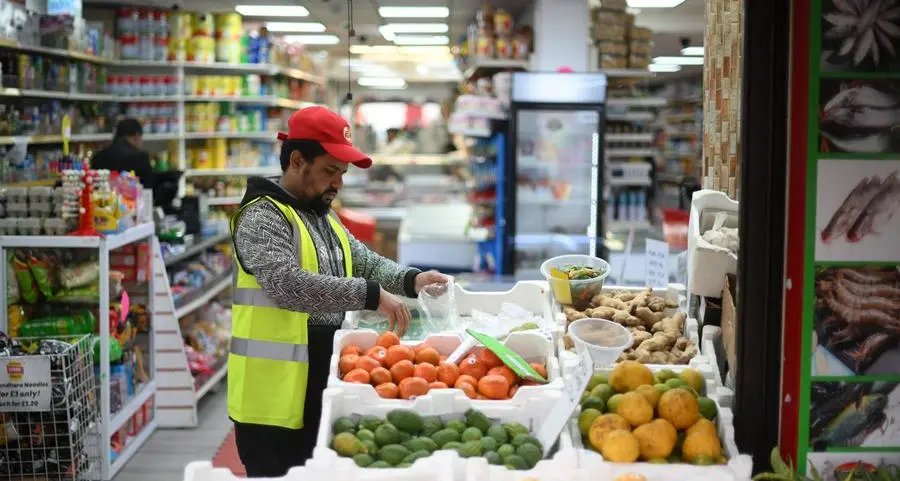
x: 675, y: 293
x: 32, y: 211
x: 737, y: 467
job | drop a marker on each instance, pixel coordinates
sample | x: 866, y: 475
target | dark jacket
x: 121, y: 156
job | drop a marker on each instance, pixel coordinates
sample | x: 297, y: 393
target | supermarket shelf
x: 618, y: 182
x: 56, y: 52
x: 413, y: 159
x: 113, y: 241
x: 232, y: 135
x: 628, y: 224
x: 234, y: 171
x: 263, y: 69
x: 631, y: 116
x: 204, y: 298
x: 269, y: 100
x: 639, y: 137
x: 33, y: 183
x: 50, y: 94
x: 120, y: 418
x: 212, y: 381
x: 197, y: 248
x: 224, y: 200
x: 132, y: 448
x: 637, y: 102
x: 631, y: 152
x: 493, y: 65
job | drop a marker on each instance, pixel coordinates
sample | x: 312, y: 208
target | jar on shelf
x: 485, y: 46
x: 503, y: 23
x: 504, y: 48
x: 521, y: 45
x: 484, y: 17
x: 126, y: 21
x: 161, y: 21
x: 145, y: 21
x: 147, y: 86
x: 146, y: 46
x: 160, y: 49
x: 128, y: 45
x: 171, y: 85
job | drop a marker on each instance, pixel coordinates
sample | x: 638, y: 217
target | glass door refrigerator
x: 553, y: 170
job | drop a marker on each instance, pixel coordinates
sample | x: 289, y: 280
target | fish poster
x: 858, y: 210
x: 853, y: 415
x: 859, y: 116
x: 848, y: 156
x: 860, y: 36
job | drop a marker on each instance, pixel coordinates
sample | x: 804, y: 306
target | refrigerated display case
x: 553, y: 171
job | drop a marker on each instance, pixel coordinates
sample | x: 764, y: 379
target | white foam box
x: 533, y: 296
x: 711, y: 336
x: 708, y: 264
x: 532, y: 346
x: 529, y: 408
x: 739, y: 467
x: 675, y: 292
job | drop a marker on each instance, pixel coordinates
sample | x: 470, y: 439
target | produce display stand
x: 110, y: 423
x: 179, y: 392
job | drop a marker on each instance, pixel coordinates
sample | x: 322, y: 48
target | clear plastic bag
x: 434, y: 311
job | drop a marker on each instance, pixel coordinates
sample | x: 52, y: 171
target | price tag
x: 24, y: 384
x: 562, y: 411
x: 657, y: 263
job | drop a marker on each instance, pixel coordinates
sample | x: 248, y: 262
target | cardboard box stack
x: 620, y: 43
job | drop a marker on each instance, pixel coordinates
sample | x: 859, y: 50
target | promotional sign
x: 24, y: 384
x: 843, y: 358
x: 657, y: 264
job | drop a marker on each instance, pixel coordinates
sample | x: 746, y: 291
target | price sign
x: 657, y: 263
x: 562, y: 411
x: 24, y: 384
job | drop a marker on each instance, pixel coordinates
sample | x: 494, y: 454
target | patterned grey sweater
x: 263, y: 242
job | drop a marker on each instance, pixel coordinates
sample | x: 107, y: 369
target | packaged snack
x: 26, y: 281
x: 12, y: 285
x: 40, y: 270
x: 16, y: 315
x: 80, y: 275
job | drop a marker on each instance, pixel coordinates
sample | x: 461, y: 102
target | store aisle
x: 167, y: 452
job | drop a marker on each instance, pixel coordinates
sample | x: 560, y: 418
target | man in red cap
x: 298, y: 271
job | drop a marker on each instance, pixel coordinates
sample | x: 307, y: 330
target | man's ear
x: 297, y: 159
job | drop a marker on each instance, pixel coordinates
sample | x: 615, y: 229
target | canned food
x: 228, y: 25
x: 201, y: 50
x: 202, y: 25
x: 503, y: 22
x: 180, y: 25
x: 177, y: 49
x: 504, y: 48
x: 484, y: 47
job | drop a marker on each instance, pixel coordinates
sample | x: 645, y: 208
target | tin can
x: 484, y: 47
x: 177, y: 50
x: 504, y: 48
x: 180, y: 25
x: 202, y: 25
x: 503, y: 22
x: 228, y: 25
x: 201, y: 50
x: 228, y: 50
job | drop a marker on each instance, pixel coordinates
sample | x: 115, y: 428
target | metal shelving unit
x: 110, y: 422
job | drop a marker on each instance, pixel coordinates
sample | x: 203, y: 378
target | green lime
x: 721, y: 460
x: 708, y: 408
x: 666, y: 374
x: 614, y: 402
x: 661, y: 388
x: 593, y: 403
x: 586, y: 418
x: 584, y: 396
x: 658, y: 461
x: 365, y: 435
x: 603, y: 391
x: 704, y: 461
x: 596, y: 380
x: 676, y: 383
x: 674, y: 459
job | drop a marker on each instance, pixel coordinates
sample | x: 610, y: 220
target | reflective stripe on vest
x: 268, y: 362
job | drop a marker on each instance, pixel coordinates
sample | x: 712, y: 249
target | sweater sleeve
x: 263, y: 243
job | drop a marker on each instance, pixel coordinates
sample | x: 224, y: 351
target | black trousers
x: 270, y: 451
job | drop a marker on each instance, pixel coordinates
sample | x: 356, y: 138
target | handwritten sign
x: 562, y: 411
x: 24, y: 384
x: 657, y: 263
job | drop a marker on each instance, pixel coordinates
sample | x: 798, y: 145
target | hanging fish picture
x: 860, y: 116
x: 860, y: 35
x: 858, y: 414
x: 867, y: 210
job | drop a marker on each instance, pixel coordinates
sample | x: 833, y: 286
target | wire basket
x: 48, y: 426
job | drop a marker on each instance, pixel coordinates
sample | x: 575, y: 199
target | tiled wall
x: 722, y: 105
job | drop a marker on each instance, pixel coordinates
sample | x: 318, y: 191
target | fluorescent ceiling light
x: 382, y: 82
x: 395, y: 50
x: 692, y: 51
x: 679, y: 60
x: 662, y: 67
x: 313, y: 39
x: 390, y: 30
x: 414, y: 12
x: 654, y: 3
x: 272, y: 11
x: 422, y: 40
x: 305, y: 27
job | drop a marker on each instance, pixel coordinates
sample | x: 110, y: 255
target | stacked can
x: 228, y: 37
x: 180, y: 32
x: 202, y: 46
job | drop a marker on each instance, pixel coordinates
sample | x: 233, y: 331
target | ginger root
x: 602, y: 300
x: 649, y: 317
x: 639, y: 337
x: 573, y: 315
x: 601, y: 312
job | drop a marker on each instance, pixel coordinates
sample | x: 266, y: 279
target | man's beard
x: 320, y: 205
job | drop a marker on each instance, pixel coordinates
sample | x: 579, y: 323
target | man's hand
x: 395, y: 310
x: 428, y: 278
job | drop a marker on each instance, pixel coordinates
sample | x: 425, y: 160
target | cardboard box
x: 729, y: 322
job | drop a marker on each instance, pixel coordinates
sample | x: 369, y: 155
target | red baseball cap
x: 330, y: 130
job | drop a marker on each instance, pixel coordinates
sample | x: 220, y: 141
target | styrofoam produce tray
x: 530, y: 409
x: 708, y: 264
x: 530, y: 345
x: 739, y: 467
x: 442, y: 466
x: 676, y: 292
x: 533, y: 296
x: 711, y: 335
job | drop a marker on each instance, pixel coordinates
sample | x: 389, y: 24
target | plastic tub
x: 604, y: 340
x: 581, y: 290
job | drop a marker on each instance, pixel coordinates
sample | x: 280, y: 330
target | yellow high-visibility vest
x: 268, y: 363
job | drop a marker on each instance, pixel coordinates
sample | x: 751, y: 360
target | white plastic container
x: 533, y: 347
x: 711, y: 336
x: 708, y: 264
x: 675, y: 292
x: 739, y: 467
x: 440, y: 466
x: 530, y: 409
x: 590, y: 287
x: 585, y: 332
